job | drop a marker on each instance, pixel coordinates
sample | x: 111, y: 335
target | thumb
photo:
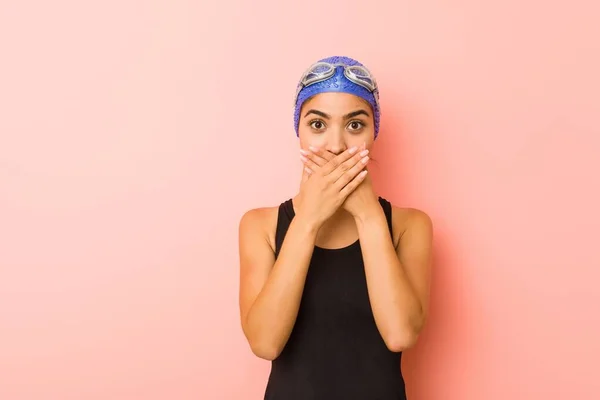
x: 305, y: 174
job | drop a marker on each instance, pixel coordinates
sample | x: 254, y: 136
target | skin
x: 336, y: 204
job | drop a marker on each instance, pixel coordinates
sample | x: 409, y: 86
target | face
x: 336, y: 122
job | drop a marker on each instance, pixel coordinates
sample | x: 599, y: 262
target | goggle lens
x: 355, y: 73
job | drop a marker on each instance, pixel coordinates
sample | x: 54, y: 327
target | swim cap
x: 340, y: 82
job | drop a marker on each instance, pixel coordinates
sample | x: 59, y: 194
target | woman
x: 334, y: 283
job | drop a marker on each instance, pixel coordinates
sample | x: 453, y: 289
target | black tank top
x: 335, y: 350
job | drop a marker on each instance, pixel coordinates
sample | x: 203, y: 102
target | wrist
x: 308, y: 225
x: 369, y: 215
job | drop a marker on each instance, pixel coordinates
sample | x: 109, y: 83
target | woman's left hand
x: 362, y: 200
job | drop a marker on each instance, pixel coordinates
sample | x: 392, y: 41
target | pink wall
x: 135, y: 134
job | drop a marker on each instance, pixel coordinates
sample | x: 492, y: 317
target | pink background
x: 134, y: 134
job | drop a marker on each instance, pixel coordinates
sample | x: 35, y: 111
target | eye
x: 356, y: 125
x: 317, y: 124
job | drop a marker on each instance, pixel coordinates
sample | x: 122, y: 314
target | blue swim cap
x: 339, y: 82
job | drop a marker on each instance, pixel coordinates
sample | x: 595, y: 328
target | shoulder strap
x: 284, y: 218
x: 387, y: 209
x: 286, y: 214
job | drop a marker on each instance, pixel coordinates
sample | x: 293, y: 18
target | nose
x: 336, y: 143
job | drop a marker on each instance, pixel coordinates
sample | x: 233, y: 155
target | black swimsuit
x: 335, y: 350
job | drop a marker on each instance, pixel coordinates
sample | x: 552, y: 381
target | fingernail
x: 364, y: 160
x: 364, y: 153
x: 303, y: 151
x: 312, y: 148
x: 352, y: 150
x: 304, y: 159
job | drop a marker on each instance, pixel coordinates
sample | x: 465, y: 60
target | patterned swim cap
x: 343, y: 79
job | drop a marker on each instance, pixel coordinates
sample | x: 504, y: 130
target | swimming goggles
x: 321, y: 71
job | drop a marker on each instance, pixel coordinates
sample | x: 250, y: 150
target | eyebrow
x: 347, y: 116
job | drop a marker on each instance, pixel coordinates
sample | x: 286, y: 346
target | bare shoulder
x: 259, y: 223
x: 411, y: 222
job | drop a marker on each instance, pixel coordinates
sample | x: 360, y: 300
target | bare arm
x: 270, y: 291
x: 397, y: 279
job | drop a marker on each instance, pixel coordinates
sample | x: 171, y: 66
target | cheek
x: 307, y: 140
x: 359, y: 140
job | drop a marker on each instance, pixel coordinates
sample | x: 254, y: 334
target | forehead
x: 336, y: 103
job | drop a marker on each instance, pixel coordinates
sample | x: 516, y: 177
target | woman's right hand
x: 328, y: 186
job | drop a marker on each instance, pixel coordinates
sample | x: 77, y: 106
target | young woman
x: 334, y: 282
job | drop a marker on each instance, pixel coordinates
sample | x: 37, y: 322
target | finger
x: 313, y: 157
x: 358, y: 160
x: 351, y: 173
x: 353, y: 184
x: 309, y: 163
x: 322, y: 153
x: 338, y: 160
